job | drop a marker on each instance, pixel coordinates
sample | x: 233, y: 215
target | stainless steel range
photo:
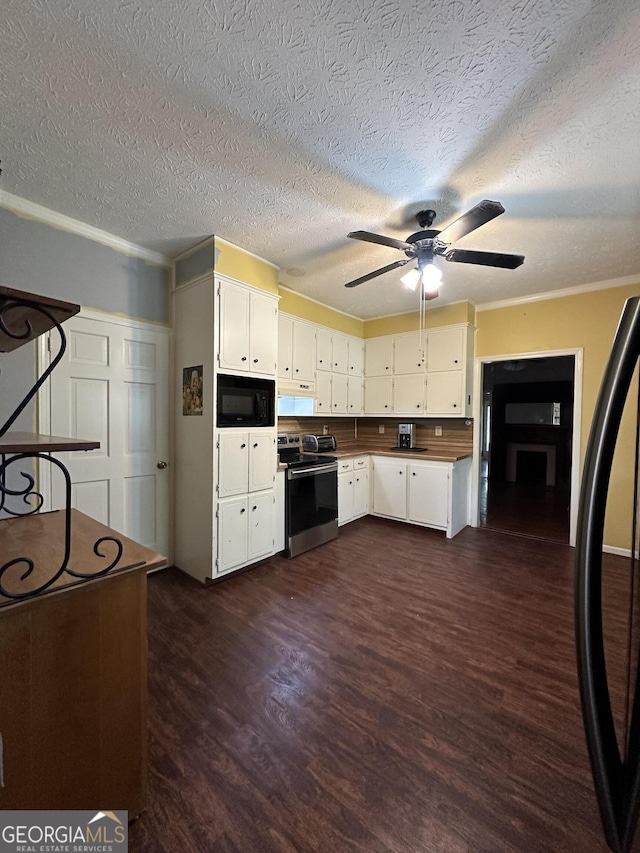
x: 311, y: 496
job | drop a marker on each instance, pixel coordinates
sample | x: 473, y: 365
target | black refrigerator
x: 607, y: 599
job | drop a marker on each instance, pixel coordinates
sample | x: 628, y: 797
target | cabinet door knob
x: 455, y: 360
x: 255, y: 360
x: 386, y: 407
x: 400, y: 472
x: 455, y: 405
x: 320, y: 361
x: 256, y: 444
x: 297, y: 370
x: 242, y: 446
x: 286, y: 368
x: 161, y: 464
x: 417, y: 405
x: 254, y: 508
x: 244, y: 358
x: 413, y: 473
x: 242, y: 510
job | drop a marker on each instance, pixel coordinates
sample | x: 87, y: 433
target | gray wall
x: 38, y: 258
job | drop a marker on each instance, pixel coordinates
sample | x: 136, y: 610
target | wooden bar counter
x: 73, y: 670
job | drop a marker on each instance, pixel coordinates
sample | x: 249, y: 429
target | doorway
x: 527, y: 446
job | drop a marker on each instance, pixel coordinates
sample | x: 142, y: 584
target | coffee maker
x: 406, y: 436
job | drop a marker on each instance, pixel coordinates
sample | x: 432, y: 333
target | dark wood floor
x: 389, y: 691
x: 526, y: 509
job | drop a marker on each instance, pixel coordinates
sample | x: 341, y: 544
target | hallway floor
x: 526, y: 509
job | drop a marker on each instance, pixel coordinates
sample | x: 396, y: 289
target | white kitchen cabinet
x: 340, y: 353
x: 234, y: 314
x: 304, y: 351
x: 378, y: 360
x: 233, y: 543
x: 409, y: 394
x: 360, y: 487
x: 339, y: 394
x: 324, y: 340
x: 354, y: 395
x: 429, y: 493
x: 260, y: 519
x: 323, y: 393
x: 445, y: 393
x: 262, y: 460
x: 446, y: 349
x: 353, y: 488
x: 450, y: 371
x: 356, y: 352
x: 407, y: 355
x: 233, y: 463
x: 378, y: 392
x: 345, y: 497
x: 248, y: 329
x: 285, y: 347
x: 246, y: 461
x: 389, y: 487
x: 279, y: 512
x: 432, y: 494
x: 245, y: 530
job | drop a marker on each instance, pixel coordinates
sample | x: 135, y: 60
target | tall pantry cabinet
x: 224, y: 477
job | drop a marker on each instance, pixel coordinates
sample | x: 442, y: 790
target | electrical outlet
x: 438, y: 431
x: 325, y: 430
x: 381, y: 429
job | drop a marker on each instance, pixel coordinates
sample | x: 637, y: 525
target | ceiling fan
x: 423, y: 246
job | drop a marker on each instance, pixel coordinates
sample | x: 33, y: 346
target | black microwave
x: 245, y: 402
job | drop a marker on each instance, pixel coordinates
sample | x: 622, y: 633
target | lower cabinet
x: 432, y: 494
x: 245, y: 530
x: 353, y: 488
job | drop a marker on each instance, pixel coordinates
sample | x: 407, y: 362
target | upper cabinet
x: 450, y: 371
x: 296, y: 350
x: 324, y: 350
x: 407, y: 355
x: 447, y: 370
x: 446, y: 349
x: 340, y: 353
x: 379, y: 357
x: 248, y: 329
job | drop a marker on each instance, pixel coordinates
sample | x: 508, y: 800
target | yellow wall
x: 458, y: 312
x: 588, y: 320
x: 236, y: 263
x: 307, y: 309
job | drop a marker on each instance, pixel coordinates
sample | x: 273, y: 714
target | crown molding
x: 31, y: 210
x: 240, y: 249
x: 558, y: 294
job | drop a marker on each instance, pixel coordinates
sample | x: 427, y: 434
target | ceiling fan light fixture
x: 411, y: 279
x: 431, y: 278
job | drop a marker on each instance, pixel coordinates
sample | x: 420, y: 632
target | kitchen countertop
x: 436, y: 454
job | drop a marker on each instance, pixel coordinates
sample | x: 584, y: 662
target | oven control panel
x: 285, y: 439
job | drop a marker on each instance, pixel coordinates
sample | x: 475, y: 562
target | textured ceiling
x: 281, y: 126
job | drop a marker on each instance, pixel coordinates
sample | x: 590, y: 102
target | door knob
x: 162, y: 464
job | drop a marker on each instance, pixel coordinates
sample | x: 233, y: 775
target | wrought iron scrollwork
x: 9, y: 329
x: 32, y: 498
x: 28, y: 492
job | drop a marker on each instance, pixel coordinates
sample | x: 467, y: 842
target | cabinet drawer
x: 345, y: 465
x: 360, y: 462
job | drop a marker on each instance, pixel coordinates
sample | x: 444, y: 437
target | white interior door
x: 112, y: 386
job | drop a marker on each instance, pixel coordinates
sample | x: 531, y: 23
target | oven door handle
x: 299, y: 473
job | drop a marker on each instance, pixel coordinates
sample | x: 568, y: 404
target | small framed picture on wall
x: 192, y: 390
